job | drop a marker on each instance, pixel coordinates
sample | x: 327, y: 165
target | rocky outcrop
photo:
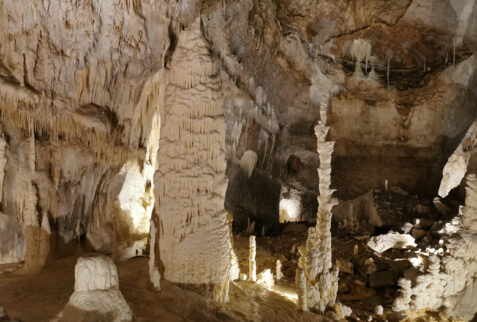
x: 450, y: 280
x: 457, y: 165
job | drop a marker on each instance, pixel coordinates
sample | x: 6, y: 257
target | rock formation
x: 80, y: 132
x: 317, y: 277
x: 234, y: 87
x: 278, y: 272
x: 457, y: 164
x: 96, y: 296
x: 193, y: 232
x: 154, y: 275
x: 252, y: 264
x: 451, y: 278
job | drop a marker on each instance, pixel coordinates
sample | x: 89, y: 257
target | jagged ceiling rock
x: 406, y: 32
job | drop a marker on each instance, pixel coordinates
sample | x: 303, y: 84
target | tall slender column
x: 315, y: 261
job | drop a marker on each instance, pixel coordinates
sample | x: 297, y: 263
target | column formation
x: 193, y: 234
x: 317, y: 279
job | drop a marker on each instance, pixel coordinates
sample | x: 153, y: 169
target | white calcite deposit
x: 316, y: 277
x: 278, y: 271
x: 252, y: 263
x: 194, y: 236
x: 450, y: 280
x: 96, y: 295
x: 382, y: 243
x: 248, y: 162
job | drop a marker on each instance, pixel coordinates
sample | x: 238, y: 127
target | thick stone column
x: 193, y: 231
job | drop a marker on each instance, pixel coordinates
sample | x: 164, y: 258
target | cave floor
x: 352, y: 292
x: 40, y: 297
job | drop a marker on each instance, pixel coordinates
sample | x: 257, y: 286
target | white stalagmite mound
x: 96, y: 296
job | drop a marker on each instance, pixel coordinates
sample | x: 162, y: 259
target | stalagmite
x: 154, y: 275
x: 252, y: 264
x: 301, y: 285
x: 279, y: 273
x: 315, y: 258
x: 96, y: 294
x: 266, y: 278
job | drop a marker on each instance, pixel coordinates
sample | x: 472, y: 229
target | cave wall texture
x: 86, y: 87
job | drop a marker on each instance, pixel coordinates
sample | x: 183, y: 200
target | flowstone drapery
x: 316, y: 278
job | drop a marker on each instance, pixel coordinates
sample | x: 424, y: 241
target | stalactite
x: 361, y: 51
x: 30, y: 115
x: 154, y: 275
x: 248, y: 161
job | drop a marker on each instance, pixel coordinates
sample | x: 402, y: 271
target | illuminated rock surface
x: 175, y: 130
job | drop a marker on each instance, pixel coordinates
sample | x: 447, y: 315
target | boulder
x: 418, y: 233
x: 382, y: 243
